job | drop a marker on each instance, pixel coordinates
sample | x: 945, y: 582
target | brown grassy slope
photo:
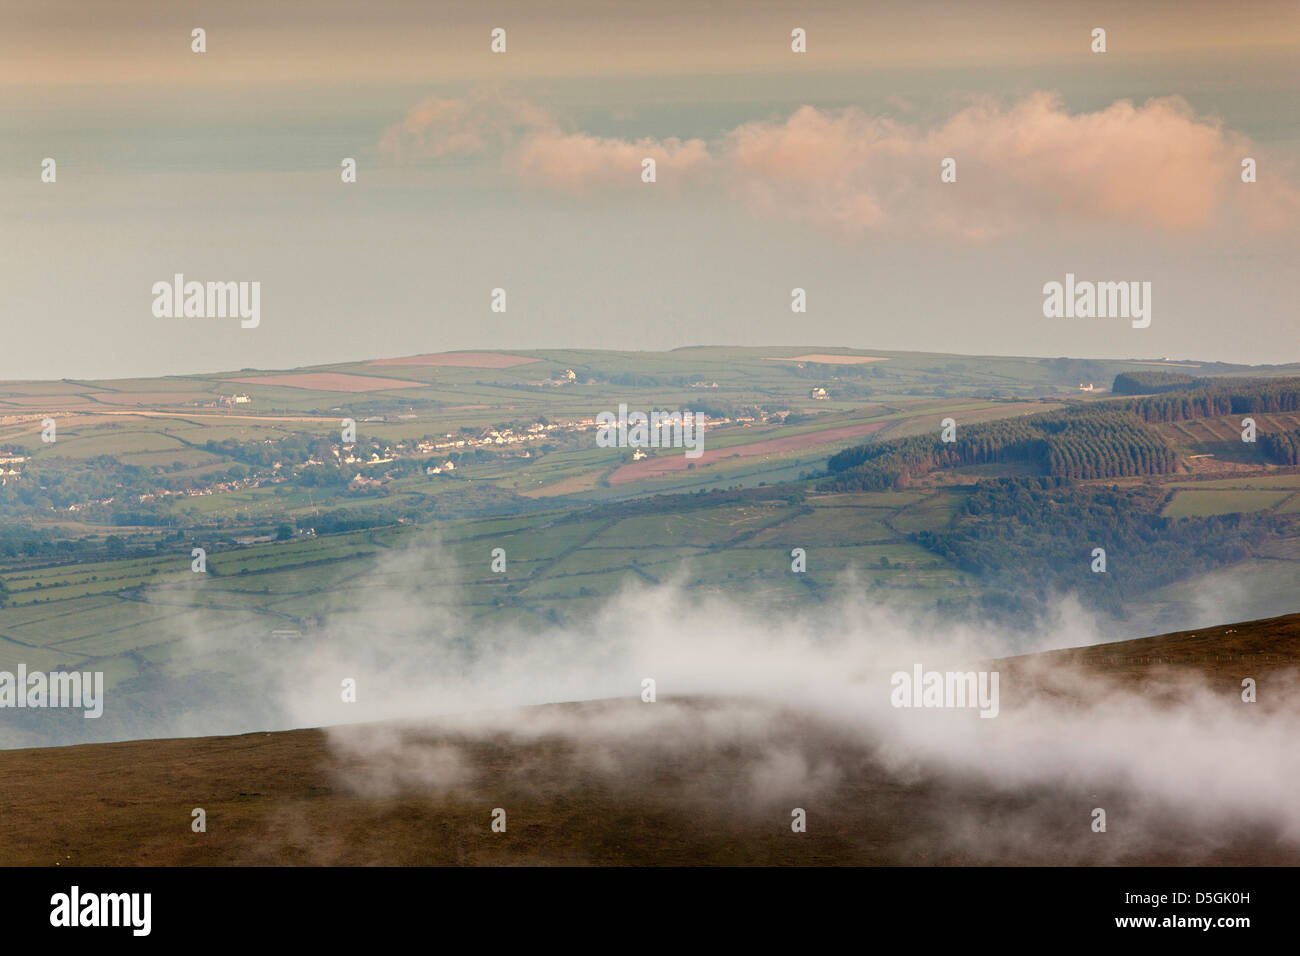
x: 1220, y: 656
x: 290, y: 798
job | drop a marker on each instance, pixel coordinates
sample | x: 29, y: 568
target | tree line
x: 1112, y: 440
x: 1212, y: 398
x: 1281, y: 447
x: 1070, y: 443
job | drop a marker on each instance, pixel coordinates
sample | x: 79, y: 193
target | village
x: 435, y: 456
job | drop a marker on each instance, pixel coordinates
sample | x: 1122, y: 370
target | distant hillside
x: 1110, y: 441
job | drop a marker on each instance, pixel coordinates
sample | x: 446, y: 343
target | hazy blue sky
x: 522, y: 170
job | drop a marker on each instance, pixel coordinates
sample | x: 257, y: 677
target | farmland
x: 309, y: 540
x: 152, y: 614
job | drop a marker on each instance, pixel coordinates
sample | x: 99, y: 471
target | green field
x: 1186, y: 504
x: 93, y: 611
x: 98, y: 528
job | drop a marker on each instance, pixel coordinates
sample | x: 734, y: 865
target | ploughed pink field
x: 666, y: 464
x: 460, y: 360
x: 823, y: 358
x: 329, y: 382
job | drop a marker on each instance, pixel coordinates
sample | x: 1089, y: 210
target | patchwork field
x: 671, y: 462
x: 329, y: 382
x: 1193, y: 503
x: 560, y: 566
x: 825, y: 358
x: 460, y: 360
x: 1213, y: 446
x: 494, y: 450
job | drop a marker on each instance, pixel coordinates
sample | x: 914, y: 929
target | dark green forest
x: 1034, y: 537
x: 1086, y: 442
x: 1282, y: 448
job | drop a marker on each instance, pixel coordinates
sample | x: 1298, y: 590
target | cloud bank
x: 1028, y: 165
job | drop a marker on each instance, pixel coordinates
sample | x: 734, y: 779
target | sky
x: 522, y: 170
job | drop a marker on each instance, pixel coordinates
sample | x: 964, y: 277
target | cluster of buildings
x: 504, y: 435
x: 226, y: 401
x: 567, y: 377
x: 348, y: 455
x: 7, y: 467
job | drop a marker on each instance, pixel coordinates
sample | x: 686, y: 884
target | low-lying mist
x: 803, y: 696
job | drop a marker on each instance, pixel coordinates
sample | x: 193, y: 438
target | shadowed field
x: 425, y: 796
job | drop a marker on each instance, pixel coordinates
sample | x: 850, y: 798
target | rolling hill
x: 658, y: 798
